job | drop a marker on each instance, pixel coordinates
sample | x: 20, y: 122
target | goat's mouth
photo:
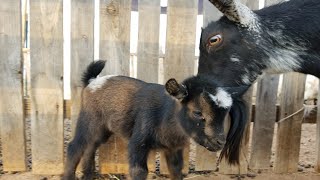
x: 214, y: 145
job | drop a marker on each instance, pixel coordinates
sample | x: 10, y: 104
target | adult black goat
x: 152, y: 116
x: 244, y: 44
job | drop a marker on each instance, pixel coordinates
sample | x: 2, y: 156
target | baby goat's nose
x: 221, y: 142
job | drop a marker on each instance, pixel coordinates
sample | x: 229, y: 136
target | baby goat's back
x: 118, y: 102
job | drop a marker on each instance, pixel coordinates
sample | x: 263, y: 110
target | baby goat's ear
x: 175, y: 89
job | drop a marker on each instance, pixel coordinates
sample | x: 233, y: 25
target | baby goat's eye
x: 198, y: 115
x: 214, y: 40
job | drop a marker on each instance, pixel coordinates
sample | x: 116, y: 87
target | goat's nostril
x: 221, y: 142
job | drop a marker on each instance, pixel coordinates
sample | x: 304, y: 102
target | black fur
x: 238, y: 116
x: 92, y: 71
x: 149, y: 116
x: 287, y: 38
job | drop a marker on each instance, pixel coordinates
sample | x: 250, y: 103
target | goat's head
x: 228, y: 46
x: 204, y: 106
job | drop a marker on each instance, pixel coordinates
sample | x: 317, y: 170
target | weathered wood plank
x: 115, y: 48
x: 11, y: 101
x: 81, y: 48
x: 317, y: 165
x: 242, y: 168
x: 115, y: 35
x: 148, y: 40
x: 114, y: 157
x: 206, y: 160
x: 46, y: 53
x: 225, y: 168
x: 180, y: 42
x: 289, y: 130
x: 82, y: 22
x: 265, y: 118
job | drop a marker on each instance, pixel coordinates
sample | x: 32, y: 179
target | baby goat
x: 150, y: 116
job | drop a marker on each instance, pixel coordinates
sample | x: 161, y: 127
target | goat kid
x: 244, y: 44
x: 151, y: 116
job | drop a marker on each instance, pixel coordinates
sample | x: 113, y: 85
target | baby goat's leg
x: 89, y: 154
x: 74, y: 152
x: 175, y: 163
x: 138, y: 154
x: 76, y: 147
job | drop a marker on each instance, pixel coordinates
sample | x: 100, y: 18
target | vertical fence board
x: 265, y: 118
x: 11, y: 109
x: 115, y: 35
x: 180, y: 48
x: 115, y: 48
x: 81, y: 48
x: 46, y: 82
x: 289, y: 130
x: 148, y: 40
x: 82, y: 22
x: 225, y: 168
x: 317, y: 163
x: 206, y: 160
x: 180, y: 42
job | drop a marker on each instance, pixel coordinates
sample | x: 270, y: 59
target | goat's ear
x: 175, y: 89
x: 235, y: 11
x: 237, y: 91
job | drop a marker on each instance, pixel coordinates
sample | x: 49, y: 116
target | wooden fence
x: 45, y: 82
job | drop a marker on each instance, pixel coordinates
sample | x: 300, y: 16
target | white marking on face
x: 222, y: 98
x: 234, y: 59
x: 98, y: 82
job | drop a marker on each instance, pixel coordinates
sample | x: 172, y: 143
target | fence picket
x: 289, y: 131
x: 11, y: 108
x: 263, y: 128
x: 115, y: 48
x: 317, y: 165
x: 206, y: 160
x: 148, y: 40
x: 242, y: 168
x: 46, y: 53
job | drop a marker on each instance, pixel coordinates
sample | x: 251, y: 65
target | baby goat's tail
x: 92, y: 71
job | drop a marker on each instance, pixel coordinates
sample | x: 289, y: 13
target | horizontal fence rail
x: 33, y: 82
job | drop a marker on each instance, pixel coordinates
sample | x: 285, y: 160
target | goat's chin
x: 214, y: 147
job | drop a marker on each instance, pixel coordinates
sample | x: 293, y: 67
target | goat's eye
x: 214, y: 40
x: 198, y: 115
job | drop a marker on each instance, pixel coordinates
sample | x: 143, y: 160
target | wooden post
x: 265, y: 118
x: 289, y: 130
x: 82, y: 18
x: 115, y: 48
x: 180, y: 48
x: 81, y: 49
x: 317, y: 166
x: 225, y: 168
x: 46, y: 81
x: 180, y: 42
x: 11, y: 108
x: 115, y: 36
x: 148, y: 40
x: 206, y: 160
